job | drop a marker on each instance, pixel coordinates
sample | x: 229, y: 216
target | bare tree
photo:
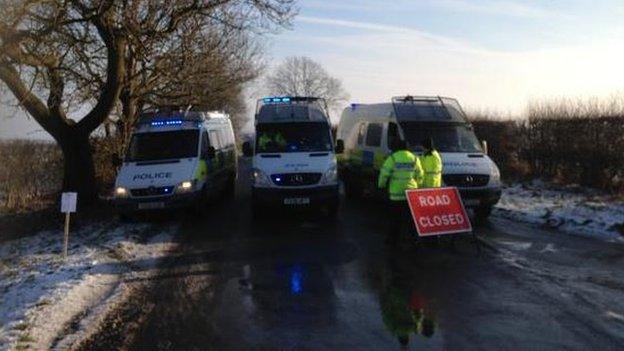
x: 301, y: 76
x: 55, y: 55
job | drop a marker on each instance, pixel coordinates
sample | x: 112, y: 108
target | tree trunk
x: 128, y: 116
x: 79, y: 169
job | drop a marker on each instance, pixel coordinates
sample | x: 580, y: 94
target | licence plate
x: 151, y: 205
x: 297, y: 201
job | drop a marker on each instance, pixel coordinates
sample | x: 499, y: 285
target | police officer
x: 271, y: 140
x: 432, y: 166
x: 402, y: 170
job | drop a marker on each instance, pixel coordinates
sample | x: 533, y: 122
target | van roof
x: 411, y: 108
x: 287, y: 109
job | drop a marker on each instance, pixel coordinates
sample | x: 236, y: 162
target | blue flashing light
x: 174, y: 122
x: 296, y: 281
x: 276, y: 100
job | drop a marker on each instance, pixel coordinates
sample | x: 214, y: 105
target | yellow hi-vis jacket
x: 404, y: 171
x: 432, y: 166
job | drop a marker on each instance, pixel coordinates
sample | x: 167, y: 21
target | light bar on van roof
x: 172, y: 122
x: 274, y: 100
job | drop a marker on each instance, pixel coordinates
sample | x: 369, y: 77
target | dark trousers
x: 399, y: 220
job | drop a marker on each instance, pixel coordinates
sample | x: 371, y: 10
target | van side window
x: 393, y: 134
x: 204, y: 145
x: 223, y: 136
x: 373, y: 134
x: 214, y: 139
x: 361, y: 132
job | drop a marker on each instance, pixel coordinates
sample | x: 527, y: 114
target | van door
x: 219, y: 159
x: 372, y: 156
x: 206, y: 162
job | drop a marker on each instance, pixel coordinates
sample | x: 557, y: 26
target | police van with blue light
x: 177, y: 157
x: 368, y: 130
x: 294, y: 156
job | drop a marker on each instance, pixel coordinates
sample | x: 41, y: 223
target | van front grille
x: 296, y: 179
x: 466, y: 180
x: 152, y: 191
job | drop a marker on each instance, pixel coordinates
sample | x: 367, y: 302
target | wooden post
x: 66, y: 241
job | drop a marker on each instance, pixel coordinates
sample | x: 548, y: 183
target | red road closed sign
x: 438, y: 211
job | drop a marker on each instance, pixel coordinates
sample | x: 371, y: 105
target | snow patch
x: 571, y: 210
x: 41, y: 296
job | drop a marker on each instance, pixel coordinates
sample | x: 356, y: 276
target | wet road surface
x: 302, y: 282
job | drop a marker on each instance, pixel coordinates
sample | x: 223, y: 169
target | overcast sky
x: 491, y: 54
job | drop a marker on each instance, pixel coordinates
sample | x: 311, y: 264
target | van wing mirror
x: 247, y: 151
x: 339, y: 146
x: 116, y: 160
x: 484, y: 146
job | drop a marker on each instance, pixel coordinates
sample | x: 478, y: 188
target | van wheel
x: 482, y: 213
x: 332, y: 211
x: 258, y: 212
x: 126, y: 217
x: 352, y: 190
x: 201, y: 203
x: 230, y: 186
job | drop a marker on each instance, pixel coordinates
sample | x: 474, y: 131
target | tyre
x: 126, y: 217
x: 258, y: 211
x: 352, y: 189
x: 230, y: 186
x: 332, y: 210
x: 201, y: 203
x: 482, y: 213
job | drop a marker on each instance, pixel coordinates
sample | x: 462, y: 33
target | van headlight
x: 185, y: 186
x: 260, y: 179
x: 495, y: 175
x: 331, y: 176
x: 121, y: 192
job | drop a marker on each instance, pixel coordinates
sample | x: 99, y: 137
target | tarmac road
x: 298, y: 282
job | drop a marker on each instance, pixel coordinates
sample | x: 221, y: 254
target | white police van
x: 176, y: 158
x: 294, y: 158
x: 367, y: 131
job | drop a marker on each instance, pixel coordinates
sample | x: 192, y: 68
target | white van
x: 294, y: 158
x: 367, y: 131
x: 176, y: 158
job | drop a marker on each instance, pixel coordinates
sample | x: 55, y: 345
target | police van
x: 176, y: 158
x: 294, y: 156
x: 368, y: 130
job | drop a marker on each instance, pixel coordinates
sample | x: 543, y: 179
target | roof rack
x: 413, y: 99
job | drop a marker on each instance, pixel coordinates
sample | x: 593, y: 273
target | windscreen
x: 447, y: 137
x: 163, y: 145
x: 290, y: 112
x: 293, y: 137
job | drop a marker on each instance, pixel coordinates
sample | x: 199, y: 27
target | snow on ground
x: 41, y: 296
x: 572, y: 209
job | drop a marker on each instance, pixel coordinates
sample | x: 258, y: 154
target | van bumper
x: 174, y: 201
x: 279, y: 197
x: 480, y: 197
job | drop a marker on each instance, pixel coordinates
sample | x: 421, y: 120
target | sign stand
x: 68, y: 206
x: 66, y: 241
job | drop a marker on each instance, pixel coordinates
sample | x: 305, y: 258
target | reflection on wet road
x: 296, y: 282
